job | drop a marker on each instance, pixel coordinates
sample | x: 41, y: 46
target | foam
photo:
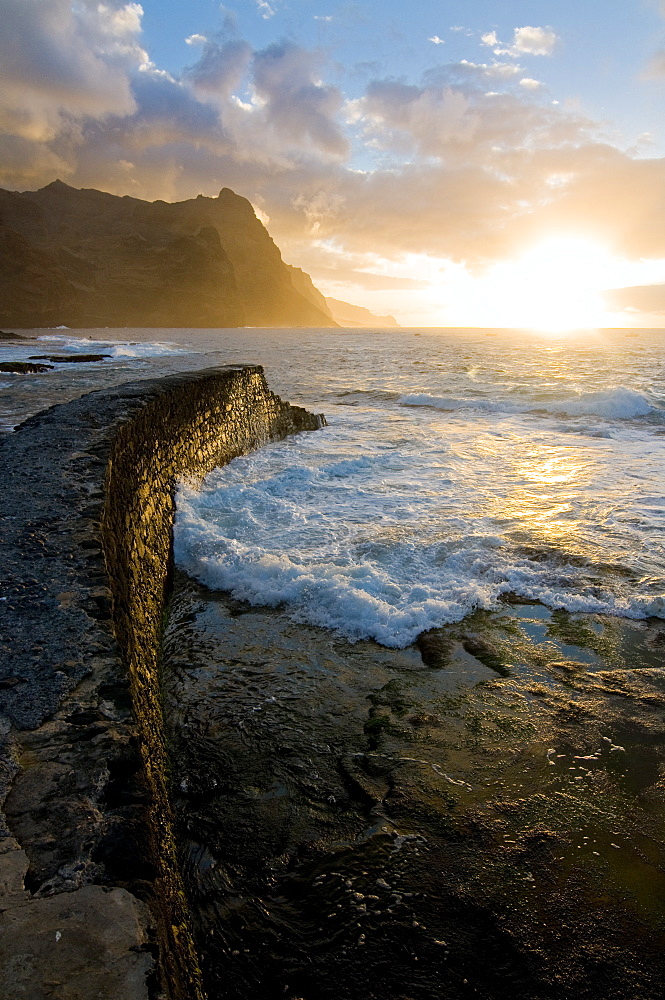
x: 117, y: 349
x: 619, y: 403
x: 361, y: 544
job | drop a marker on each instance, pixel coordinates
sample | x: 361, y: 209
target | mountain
x: 345, y: 314
x: 304, y: 284
x: 84, y: 258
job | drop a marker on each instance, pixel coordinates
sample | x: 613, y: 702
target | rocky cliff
x: 345, y: 314
x: 87, y: 258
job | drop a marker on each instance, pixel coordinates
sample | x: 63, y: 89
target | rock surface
x: 478, y: 816
x: 86, y: 506
x: 24, y: 367
x: 87, y: 258
x: 69, y: 359
x: 89, y: 943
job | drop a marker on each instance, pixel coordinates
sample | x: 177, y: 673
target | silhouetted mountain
x: 347, y: 315
x: 87, y: 258
x: 304, y: 284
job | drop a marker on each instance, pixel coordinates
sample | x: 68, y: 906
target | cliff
x: 347, y: 315
x: 87, y: 258
x: 303, y: 283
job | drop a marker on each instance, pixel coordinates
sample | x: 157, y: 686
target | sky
x: 487, y: 163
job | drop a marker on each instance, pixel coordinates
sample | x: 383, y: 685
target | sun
x: 554, y: 286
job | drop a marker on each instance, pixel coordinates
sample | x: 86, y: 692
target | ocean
x: 457, y: 466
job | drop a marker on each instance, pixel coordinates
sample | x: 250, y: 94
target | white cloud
x: 446, y: 170
x: 526, y: 41
x: 265, y: 9
x: 196, y: 40
x: 496, y: 70
x: 534, y: 41
x: 436, y: 40
x: 60, y: 62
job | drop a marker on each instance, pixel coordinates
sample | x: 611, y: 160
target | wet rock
x: 69, y: 358
x: 78, y: 946
x: 435, y: 647
x: 352, y: 827
x: 24, y: 367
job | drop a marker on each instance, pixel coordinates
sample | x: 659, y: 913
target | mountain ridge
x: 87, y: 258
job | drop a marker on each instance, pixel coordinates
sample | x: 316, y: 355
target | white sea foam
x: 618, y: 403
x: 115, y: 348
x: 394, y: 541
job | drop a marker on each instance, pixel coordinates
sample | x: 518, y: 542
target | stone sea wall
x: 91, y: 899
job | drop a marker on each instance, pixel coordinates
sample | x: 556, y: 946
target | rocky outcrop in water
x: 89, y: 259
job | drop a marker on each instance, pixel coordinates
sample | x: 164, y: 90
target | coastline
x: 470, y: 773
x: 87, y: 506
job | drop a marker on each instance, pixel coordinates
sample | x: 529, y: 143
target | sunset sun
x: 554, y: 286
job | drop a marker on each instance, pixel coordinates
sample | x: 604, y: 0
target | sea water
x: 457, y: 466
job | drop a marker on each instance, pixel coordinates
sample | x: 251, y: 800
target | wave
x: 115, y: 348
x: 351, y: 397
x: 387, y: 582
x: 619, y: 403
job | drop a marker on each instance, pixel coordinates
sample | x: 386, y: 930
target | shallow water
x: 478, y: 814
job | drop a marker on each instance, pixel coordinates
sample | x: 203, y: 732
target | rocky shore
x: 92, y: 898
x: 204, y: 798
x: 481, y: 815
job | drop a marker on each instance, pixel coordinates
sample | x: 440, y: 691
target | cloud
x: 656, y: 66
x: 196, y: 40
x: 436, y: 40
x: 528, y: 40
x: 297, y: 104
x: 220, y: 68
x: 534, y: 41
x: 638, y: 298
x: 60, y: 62
x: 265, y: 9
x: 435, y: 167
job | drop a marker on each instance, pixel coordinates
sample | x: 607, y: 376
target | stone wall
x: 91, y: 897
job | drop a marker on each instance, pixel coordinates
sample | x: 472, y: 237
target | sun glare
x: 556, y: 286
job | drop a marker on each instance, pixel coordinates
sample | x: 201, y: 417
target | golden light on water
x: 549, y: 482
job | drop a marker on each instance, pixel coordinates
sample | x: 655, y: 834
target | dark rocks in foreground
x: 24, y: 367
x: 69, y: 359
x: 90, y: 259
